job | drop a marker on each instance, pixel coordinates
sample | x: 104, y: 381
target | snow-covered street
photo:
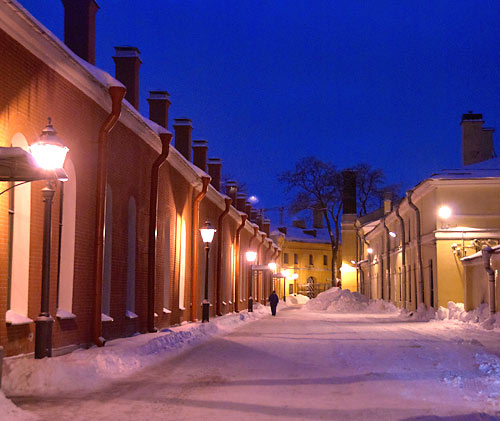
x: 303, y: 364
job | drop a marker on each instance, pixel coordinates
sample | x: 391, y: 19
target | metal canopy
x: 18, y: 165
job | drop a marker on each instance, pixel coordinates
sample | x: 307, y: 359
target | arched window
x: 67, y: 243
x: 19, y: 247
x: 131, y: 256
x: 166, y: 271
x: 108, y: 236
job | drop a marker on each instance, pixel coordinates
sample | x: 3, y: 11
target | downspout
x: 388, y: 262
x: 403, y: 257
x: 116, y: 93
x: 237, y: 274
x: 195, y: 217
x: 259, y: 298
x: 165, y: 139
x: 409, y: 193
x: 220, y: 240
x: 487, y: 251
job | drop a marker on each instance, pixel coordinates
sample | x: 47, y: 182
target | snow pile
x: 96, y: 367
x: 297, y: 299
x: 422, y: 314
x: 11, y: 412
x: 336, y: 300
x: 481, y: 315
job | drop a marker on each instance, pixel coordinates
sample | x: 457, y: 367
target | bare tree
x: 317, y: 185
x: 370, y: 188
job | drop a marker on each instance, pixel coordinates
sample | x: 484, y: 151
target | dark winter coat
x: 273, y: 300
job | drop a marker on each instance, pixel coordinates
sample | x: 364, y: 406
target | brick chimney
x: 159, y: 102
x: 477, y: 141
x: 200, y: 151
x: 266, y: 226
x: 387, y: 202
x: 317, y: 217
x: 232, y: 190
x: 214, y: 171
x: 241, y: 200
x: 79, y: 27
x: 183, y: 129
x: 349, y: 192
x: 248, y: 209
x: 127, y: 63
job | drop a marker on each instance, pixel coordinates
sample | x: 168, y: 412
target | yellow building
x: 413, y: 251
x: 305, y: 259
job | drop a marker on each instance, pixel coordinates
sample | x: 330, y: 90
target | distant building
x: 413, y: 251
x: 306, y: 258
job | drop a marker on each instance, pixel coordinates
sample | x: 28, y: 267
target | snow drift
x: 336, y: 300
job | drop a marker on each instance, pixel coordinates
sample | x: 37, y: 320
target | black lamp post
x: 49, y: 153
x: 207, y: 234
x: 251, y: 256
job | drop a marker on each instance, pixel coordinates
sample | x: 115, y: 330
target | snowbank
x: 11, y: 412
x: 297, y: 299
x: 336, y: 300
x: 96, y: 367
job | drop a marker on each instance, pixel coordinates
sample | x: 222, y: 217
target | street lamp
x: 251, y: 256
x: 207, y: 234
x: 49, y: 154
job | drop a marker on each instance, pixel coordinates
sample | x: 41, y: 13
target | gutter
x: 403, y: 257
x: 195, y: 232
x: 237, y: 264
x: 153, y: 224
x: 419, y: 291
x: 220, y: 240
x: 116, y: 93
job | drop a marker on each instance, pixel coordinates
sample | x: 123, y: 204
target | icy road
x: 305, y: 365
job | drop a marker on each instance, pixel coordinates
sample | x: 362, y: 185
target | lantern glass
x: 251, y: 256
x: 207, y: 232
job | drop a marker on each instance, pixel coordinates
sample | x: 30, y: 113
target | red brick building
x: 126, y: 252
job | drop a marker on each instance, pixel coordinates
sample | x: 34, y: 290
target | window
x: 295, y: 259
x: 181, y: 250
x: 131, y: 256
x: 325, y: 260
x: 108, y: 236
x: 67, y: 243
x: 19, y: 243
x: 311, y: 261
x: 285, y: 258
x: 166, y: 269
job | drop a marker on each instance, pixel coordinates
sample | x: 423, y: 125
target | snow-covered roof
x: 302, y: 236
x: 485, y: 169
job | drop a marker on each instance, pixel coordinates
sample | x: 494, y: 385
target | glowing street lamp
x: 49, y: 154
x: 272, y: 266
x: 444, y: 212
x: 251, y: 256
x: 207, y: 235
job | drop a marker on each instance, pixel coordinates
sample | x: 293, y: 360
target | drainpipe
x: 388, y: 261
x: 264, y: 235
x: 116, y: 93
x: 403, y: 257
x: 420, y: 294
x: 220, y: 240
x: 487, y: 251
x: 153, y: 225
x: 237, y: 264
x: 195, y: 232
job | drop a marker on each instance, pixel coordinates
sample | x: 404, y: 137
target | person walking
x: 273, y: 300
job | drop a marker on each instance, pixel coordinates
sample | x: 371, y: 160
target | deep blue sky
x: 269, y: 82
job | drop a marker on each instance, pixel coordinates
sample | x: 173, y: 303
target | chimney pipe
x: 214, y: 171
x: 232, y: 190
x: 349, y: 192
x: 477, y: 141
x: 159, y: 102
x: 127, y: 63
x: 200, y: 150
x: 387, y: 202
x: 241, y: 201
x: 248, y: 209
x: 183, y: 129
x: 79, y: 27
x: 266, y: 226
x: 317, y: 217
